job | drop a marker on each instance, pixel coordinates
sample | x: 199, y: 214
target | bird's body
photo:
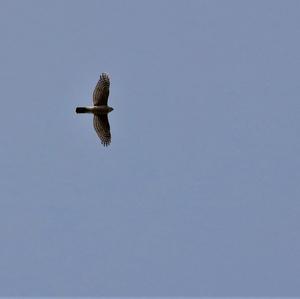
x: 94, y: 109
x: 100, y: 109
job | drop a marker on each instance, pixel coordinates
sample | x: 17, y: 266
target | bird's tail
x: 82, y: 110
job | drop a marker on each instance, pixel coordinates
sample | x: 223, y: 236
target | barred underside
x: 101, y: 92
x: 102, y: 128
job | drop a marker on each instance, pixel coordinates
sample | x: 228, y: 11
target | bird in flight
x: 100, y: 109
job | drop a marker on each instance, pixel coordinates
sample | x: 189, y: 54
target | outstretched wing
x: 101, y: 92
x: 102, y: 128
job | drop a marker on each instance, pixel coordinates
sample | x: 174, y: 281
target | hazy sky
x: 199, y: 192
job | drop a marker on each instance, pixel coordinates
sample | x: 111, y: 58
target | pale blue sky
x: 198, y: 194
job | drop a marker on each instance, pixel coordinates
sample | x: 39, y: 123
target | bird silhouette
x: 100, y: 109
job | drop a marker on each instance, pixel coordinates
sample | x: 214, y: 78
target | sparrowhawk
x: 100, y: 109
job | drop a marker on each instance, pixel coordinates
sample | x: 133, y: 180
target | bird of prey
x: 100, y: 109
